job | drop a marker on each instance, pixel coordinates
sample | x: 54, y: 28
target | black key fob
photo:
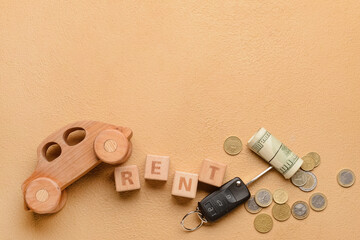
x: 226, y: 198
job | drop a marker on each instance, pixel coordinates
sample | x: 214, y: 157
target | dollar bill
x: 264, y: 144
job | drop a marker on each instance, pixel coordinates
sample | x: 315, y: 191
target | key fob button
x: 219, y: 203
x: 229, y: 196
x: 210, y: 209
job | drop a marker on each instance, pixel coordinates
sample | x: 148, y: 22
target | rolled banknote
x: 275, y: 152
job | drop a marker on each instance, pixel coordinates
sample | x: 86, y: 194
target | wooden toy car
x: 44, y: 191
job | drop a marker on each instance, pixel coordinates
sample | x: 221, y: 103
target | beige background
x: 183, y: 75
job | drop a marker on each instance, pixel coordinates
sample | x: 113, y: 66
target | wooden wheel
x: 43, y: 195
x: 111, y: 146
x: 62, y: 202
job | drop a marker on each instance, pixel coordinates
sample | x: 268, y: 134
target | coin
x: 308, y: 164
x: 299, y: 178
x: 300, y: 210
x: 280, y: 196
x: 251, y: 206
x: 281, y: 212
x: 316, y: 158
x: 311, y: 182
x: 263, y: 223
x: 233, y: 145
x: 346, y: 178
x: 318, y: 202
x: 263, y: 198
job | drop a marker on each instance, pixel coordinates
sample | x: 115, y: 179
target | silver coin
x: 300, y: 210
x: 299, y: 178
x: 318, y: 201
x: 311, y: 182
x: 346, y: 178
x: 263, y: 198
x: 251, y: 206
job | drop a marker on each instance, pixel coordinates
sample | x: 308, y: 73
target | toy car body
x: 44, y: 190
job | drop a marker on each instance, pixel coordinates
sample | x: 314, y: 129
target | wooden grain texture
x: 157, y: 167
x: 212, y: 172
x: 111, y: 146
x: 43, y: 195
x: 127, y: 178
x: 184, y: 75
x: 185, y: 184
x: 54, y: 174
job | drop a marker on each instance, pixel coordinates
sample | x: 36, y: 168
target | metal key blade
x: 258, y: 176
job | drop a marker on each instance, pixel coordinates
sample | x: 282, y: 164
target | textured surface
x: 184, y: 76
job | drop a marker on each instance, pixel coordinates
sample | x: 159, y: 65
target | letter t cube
x: 212, y: 172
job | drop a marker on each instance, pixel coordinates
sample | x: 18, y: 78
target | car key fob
x: 217, y: 204
x: 226, y: 198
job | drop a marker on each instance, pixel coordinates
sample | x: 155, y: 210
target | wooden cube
x: 185, y: 184
x: 127, y: 178
x: 212, y: 172
x: 157, y: 167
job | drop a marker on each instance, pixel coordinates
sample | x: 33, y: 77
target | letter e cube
x: 157, y: 167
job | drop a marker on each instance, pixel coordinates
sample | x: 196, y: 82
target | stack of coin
x: 304, y: 179
x: 311, y: 160
x: 251, y: 206
x: 263, y: 198
x: 311, y: 182
x: 263, y: 223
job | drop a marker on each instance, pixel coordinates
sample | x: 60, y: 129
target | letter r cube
x: 212, y: 172
x: 127, y: 178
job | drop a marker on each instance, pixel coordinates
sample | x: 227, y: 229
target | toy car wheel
x: 111, y: 146
x: 43, y: 195
x: 62, y: 202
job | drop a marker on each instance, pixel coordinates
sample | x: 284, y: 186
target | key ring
x: 200, y: 216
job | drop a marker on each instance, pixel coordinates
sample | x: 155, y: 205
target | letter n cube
x: 185, y: 184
